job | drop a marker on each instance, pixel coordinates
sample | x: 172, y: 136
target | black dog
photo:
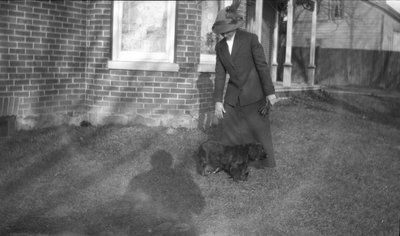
x: 257, y: 156
x: 234, y: 160
x: 214, y: 157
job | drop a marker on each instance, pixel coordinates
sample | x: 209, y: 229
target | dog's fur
x: 234, y: 160
x: 257, y: 156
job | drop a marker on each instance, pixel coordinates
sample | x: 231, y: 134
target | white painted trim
x: 141, y: 65
x: 276, y: 39
x: 116, y: 40
x: 274, y: 63
x: 313, y: 34
x: 168, y: 56
x: 311, y: 67
x: 227, y: 3
x: 287, y: 67
x: 208, y: 59
x: 203, y: 67
x: 259, y: 18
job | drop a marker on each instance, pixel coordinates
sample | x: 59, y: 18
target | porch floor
x: 295, y: 88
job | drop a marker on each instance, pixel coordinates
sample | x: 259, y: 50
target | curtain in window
x: 144, y: 26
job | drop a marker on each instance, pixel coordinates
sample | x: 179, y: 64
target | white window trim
x: 142, y: 65
x: 138, y: 60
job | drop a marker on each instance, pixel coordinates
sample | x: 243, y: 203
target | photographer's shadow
x: 166, y: 198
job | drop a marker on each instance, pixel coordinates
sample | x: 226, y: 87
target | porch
x: 275, y: 31
x: 295, y: 88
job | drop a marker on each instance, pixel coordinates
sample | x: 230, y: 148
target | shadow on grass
x: 158, y: 202
x: 61, y: 156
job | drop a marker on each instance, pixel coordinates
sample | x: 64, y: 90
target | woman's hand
x: 272, y: 99
x: 219, y: 110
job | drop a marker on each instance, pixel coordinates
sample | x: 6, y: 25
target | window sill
x: 206, y: 67
x: 140, y: 65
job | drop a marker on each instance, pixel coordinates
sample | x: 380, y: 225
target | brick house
x: 110, y: 62
x: 153, y: 63
x: 57, y: 58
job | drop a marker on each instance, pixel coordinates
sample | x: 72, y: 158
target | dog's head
x: 257, y: 156
x: 239, y: 172
x: 209, y: 157
x: 237, y: 166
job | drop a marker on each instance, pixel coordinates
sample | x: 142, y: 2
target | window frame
x: 143, y: 60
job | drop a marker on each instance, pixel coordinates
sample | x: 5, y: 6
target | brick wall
x: 54, y: 57
x: 150, y: 97
x: 42, y: 46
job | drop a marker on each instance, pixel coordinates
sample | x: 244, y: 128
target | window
x: 143, y: 31
x: 336, y: 9
x: 210, y: 10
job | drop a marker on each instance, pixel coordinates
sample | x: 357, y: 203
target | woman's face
x: 228, y: 35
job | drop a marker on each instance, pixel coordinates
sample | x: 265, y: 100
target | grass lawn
x: 338, y: 173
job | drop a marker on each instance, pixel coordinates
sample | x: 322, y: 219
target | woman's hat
x: 228, y: 19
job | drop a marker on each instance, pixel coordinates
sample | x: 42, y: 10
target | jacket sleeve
x: 262, y: 66
x: 220, y: 76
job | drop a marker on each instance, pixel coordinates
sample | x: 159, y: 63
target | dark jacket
x: 250, y: 79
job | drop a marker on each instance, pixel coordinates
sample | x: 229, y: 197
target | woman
x: 250, y: 87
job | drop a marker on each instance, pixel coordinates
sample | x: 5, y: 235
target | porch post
x: 287, y: 66
x: 274, y: 59
x: 311, y: 66
x: 259, y: 19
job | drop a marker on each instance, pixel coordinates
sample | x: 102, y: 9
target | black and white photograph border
x: 137, y: 117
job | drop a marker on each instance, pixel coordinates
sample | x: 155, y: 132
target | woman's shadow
x: 164, y: 199
x: 161, y: 201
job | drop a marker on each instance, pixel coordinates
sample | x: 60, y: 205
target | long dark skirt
x: 244, y: 124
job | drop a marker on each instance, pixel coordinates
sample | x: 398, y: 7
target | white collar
x: 230, y: 43
x: 233, y: 37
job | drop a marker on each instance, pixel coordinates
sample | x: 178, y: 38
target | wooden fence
x: 376, y: 69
